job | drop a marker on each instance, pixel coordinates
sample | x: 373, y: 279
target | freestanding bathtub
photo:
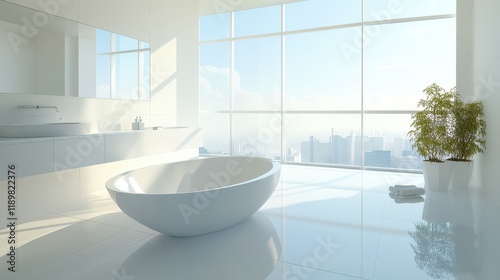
x: 196, y: 196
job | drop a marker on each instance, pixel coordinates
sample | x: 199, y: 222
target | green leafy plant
x: 468, y: 130
x: 431, y: 126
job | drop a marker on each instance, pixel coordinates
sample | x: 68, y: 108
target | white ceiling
x: 210, y: 7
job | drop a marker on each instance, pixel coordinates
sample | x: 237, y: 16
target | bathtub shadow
x: 249, y: 250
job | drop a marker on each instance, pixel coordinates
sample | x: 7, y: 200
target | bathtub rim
x: 275, y: 167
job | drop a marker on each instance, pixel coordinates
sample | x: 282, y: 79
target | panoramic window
x: 321, y: 82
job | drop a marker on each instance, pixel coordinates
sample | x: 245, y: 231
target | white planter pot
x: 437, y: 175
x: 461, y: 174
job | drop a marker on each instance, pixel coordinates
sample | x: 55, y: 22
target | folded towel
x: 407, y: 199
x: 410, y: 192
x: 405, y: 186
x: 406, y: 190
x: 401, y: 187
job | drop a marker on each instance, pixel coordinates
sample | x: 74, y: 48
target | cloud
x: 214, y: 88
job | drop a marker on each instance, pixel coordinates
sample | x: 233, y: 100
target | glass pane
x: 378, y: 10
x: 404, y: 59
x: 124, y: 43
x: 144, y: 45
x: 387, y: 144
x: 320, y: 13
x: 257, y: 135
x: 144, y: 75
x: 103, y: 76
x: 103, y: 41
x: 319, y: 72
x: 323, y: 138
x: 215, y: 27
x: 214, y: 76
x: 127, y: 78
x: 257, y: 77
x: 257, y: 21
x: 215, y: 133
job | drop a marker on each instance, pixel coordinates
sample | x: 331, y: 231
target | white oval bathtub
x: 195, y: 196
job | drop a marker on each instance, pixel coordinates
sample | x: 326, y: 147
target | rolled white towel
x: 406, y: 190
x: 405, y: 186
x: 394, y: 188
x: 407, y: 199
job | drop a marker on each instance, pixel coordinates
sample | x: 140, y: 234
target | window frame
x: 283, y: 112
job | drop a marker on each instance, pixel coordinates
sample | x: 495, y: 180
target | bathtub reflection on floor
x: 220, y: 255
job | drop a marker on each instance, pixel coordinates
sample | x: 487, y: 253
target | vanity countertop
x: 11, y: 141
x: 40, y: 155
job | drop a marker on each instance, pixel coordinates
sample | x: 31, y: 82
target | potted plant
x: 430, y: 135
x: 467, y: 139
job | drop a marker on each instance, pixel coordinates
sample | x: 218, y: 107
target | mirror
x: 113, y: 65
x: 47, y: 55
x: 38, y: 52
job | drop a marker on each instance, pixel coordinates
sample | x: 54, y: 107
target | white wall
x: 208, y: 7
x: 174, y: 53
x: 172, y: 28
x: 478, y: 77
x: 481, y: 79
x: 71, y: 66
x: 63, y: 8
x: 129, y: 18
x: 465, y: 44
x: 486, y: 86
x: 18, y: 67
x: 50, y: 50
x: 87, y: 62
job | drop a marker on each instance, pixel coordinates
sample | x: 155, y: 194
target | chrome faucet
x: 40, y: 107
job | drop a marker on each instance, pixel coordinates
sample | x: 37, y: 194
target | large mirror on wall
x: 47, y: 55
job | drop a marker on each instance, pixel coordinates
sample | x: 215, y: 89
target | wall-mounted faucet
x: 40, y: 107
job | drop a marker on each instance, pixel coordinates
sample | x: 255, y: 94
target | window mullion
x: 282, y: 109
x: 362, y: 85
x: 231, y: 83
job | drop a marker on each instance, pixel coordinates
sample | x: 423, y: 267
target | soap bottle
x: 135, y: 124
x: 141, y: 124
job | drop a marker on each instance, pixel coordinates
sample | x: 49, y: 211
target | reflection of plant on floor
x: 434, y: 248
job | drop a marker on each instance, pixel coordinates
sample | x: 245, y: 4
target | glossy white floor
x: 320, y: 224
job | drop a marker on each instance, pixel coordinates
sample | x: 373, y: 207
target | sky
x: 324, y: 69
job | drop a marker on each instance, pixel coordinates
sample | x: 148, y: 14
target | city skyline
x: 355, y: 71
x: 352, y: 149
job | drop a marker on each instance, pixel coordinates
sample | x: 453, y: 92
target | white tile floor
x: 320, y: 223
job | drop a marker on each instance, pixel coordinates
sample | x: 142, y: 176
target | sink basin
x: 43, y: 129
